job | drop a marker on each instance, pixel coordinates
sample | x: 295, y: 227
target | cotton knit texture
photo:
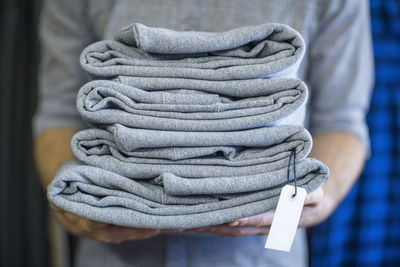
x: 193, y: 105
x: 260, y: 51
x: 198, y: 136
x: 105, y: 196
x: 336, y: 69
x: 144, y: 154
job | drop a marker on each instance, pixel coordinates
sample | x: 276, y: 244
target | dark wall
x: 23, y: 207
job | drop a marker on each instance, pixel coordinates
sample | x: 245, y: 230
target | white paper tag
x: 286, y: 218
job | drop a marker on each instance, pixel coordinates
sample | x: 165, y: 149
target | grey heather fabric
x: 145, y: 154
x: 192, y: 105
x: 190, y: 159
x: 105, y: 196
x: 332, y: 29
x: 68, y: 26
x: 260, y: 51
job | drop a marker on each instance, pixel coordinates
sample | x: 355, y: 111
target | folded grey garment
x: 105, y: 196
x: 193, y: 106
x: 145, y: 154
x: 261, y: 51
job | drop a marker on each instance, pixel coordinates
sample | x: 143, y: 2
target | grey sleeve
x: 341, y: 73
x: 64, y: 32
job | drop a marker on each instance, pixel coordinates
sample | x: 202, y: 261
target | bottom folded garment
x: 171, y: 202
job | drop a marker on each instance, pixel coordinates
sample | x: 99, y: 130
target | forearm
x: 344, y: 154
x: 52, y: 149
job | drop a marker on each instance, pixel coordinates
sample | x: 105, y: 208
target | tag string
x: 292, y: 155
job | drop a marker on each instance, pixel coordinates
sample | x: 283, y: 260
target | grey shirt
x: 337, y: 68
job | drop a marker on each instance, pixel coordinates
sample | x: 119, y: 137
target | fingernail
x: 241, y: 223
x: 234, y: 224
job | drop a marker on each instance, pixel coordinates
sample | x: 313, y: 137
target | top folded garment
x: 261, y: 51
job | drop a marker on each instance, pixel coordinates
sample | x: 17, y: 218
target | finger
x: 84, y: 224
x: 101, y: 231
x: 170, y: 231
x: 89, y: 225
x: 309, y: 216
x: 119, y: 237
x: 96, y: 224
x: 66, y: 224
x: 55, y: 208
x: 232, y: 224
x: 229, y: 231
x: 232, y: 231
x: 314, y: 197
x: 109, y: 240
x: 261, y: 220
x: 127, y: 233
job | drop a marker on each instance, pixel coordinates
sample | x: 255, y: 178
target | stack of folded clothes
x: 190, y: 129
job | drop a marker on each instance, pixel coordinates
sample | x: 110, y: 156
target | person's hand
x: 317, y: 207
x: 344, y: 154
x: 255, y: 225
x: 102, y: 232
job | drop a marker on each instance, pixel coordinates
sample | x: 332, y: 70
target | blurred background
x: 364, y: 231
x: 23, y: 209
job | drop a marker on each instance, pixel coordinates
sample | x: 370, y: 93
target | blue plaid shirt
x: 365, y: 229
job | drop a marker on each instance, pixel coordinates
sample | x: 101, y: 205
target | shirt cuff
x: 350, y: 122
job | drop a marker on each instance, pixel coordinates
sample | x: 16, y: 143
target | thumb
x: 261, y: 220
x: 314, y: 197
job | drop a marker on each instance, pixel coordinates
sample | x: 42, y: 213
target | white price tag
x: 286, y: 218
